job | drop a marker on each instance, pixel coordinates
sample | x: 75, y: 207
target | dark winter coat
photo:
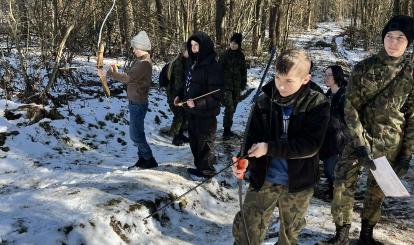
x: 235, y: 72
x: 207, y: 76
x: 307, y: 126
x: 315, y: 87
x: 335, y: 138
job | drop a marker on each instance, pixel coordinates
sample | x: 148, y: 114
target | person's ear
x: 306, y: 79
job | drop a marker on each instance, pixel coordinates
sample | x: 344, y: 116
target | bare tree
x: 397, y: 7
x: 220, y: 12
x: 127, y: 24
x: 162, y: 28
x: 256, y: 27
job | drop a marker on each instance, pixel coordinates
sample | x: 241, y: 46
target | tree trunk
x: 184, y: 20
x: 397, y: 7
x: 220, y: 12
x: 59, y: 53
x: 161, y: 28
x: 263, y: 25
x: 230, y: 24
x: 13, y: 25
x: 195, y: 16
x: 406, y: 7
x: 308, y: 14
x: 288, y: 20
x: 24, y: 22
x: 272, y: 26
x: 127, y: 23
x: 256, y: 28
x: 278, y: 25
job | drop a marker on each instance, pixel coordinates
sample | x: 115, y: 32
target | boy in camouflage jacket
x: 379, y: 113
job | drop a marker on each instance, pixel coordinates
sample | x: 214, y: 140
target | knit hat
x: 402, y: 23
x: 141, y: 41
x: 237, y: 38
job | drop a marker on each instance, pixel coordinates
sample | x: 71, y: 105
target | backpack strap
x: 169, y: 73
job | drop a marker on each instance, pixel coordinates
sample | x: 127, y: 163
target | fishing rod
x: 195, y: 187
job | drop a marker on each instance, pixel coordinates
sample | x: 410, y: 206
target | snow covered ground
x: 65, y: 181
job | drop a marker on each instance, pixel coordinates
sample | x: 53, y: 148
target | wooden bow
x: 100, y: 54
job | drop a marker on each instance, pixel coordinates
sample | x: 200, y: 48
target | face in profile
x: 329, y: 79
x: 395, y: 43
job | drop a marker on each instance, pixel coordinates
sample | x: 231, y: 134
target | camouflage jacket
x: 176, y: 75
x: 379, y: 106
x: 235, y: 72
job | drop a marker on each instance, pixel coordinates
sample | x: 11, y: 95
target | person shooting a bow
x: 138, y: 81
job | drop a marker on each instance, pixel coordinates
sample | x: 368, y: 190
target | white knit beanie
x: 141, y: 41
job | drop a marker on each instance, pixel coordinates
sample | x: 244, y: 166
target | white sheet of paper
x: 387, y: 179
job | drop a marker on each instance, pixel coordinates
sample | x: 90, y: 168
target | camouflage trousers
x: 258, y: 209
x: 347, y: 172
x: 230, y: 102
x: 179, y: 122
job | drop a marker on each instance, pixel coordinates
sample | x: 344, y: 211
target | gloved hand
x: 364, y: 158
x: 402, y: 165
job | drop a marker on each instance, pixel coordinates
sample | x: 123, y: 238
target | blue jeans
x: 329, y: 167
x: 137, y: 112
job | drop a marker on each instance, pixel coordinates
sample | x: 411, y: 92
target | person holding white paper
x: 379, y: 113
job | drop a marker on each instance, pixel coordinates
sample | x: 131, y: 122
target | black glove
x: 364, y: 158
x: 402, y: 165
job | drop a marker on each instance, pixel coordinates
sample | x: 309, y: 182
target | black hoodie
x: 207, y: 75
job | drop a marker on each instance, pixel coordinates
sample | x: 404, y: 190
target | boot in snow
x: 365, y: 236
x: 150, y: 163
x: 341, y: 236
x: 137, y: 164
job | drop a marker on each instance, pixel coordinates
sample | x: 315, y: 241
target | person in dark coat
x: 335, y: 135
x: 176, y: 76
x: 235, y: 80
x: 287, y: 128
x: 203, y: 76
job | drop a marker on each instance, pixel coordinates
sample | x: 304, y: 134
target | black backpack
x: 163, y: 79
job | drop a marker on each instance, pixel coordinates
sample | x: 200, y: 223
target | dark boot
x: 341, y: 236
x: 138, y: 164
x: 330, y: 190
x: 177, y: 140
x: 365, y: 236
x: 150, y: 163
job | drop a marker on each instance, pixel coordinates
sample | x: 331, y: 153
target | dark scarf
x: 289, y: 100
